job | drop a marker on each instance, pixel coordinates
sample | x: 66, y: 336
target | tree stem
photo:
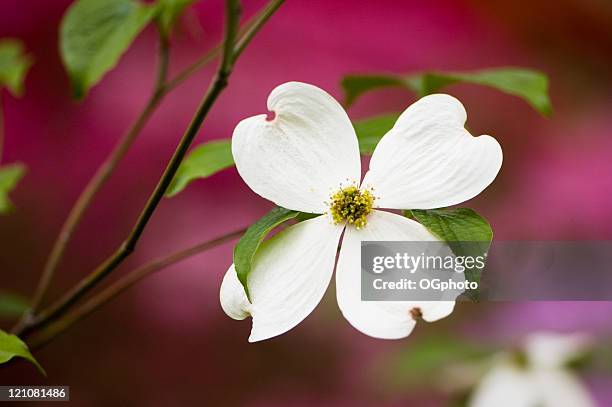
x: 253, y: 27
x: 57, y: 327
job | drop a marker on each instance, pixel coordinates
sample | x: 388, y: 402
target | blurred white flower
x: 307, y: 159
x: 541, y: 379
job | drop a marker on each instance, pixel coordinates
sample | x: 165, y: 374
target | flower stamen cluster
x: 351, y: 205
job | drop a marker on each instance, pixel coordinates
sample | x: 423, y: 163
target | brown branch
x: 62, y: 324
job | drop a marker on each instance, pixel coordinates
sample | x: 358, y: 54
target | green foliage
x: 596, y: 359
x: 203, y: 161
x: 95, y: 33
x: 529, y: 85
x: 12, y: 305
x: 11, y: 346
x: 370, y: 131
x: 14, y: 65
x: 247, y: 246
x: 9, y: 177
x: 466, y: 232
x: 458, y: 224
x: 169, y: 11
x: 423, y: 363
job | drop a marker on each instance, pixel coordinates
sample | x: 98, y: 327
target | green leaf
x: 11, y: 346
x: 458, y: 224
x: 205, y: 160
x: 529, y: 85
x: 370, y: 131
x: 466, y: 232
x: 12, y: 305
x: 247, y: 246
x: 95, y: 33
x: 169, y: 11
x: 356, y: 85
x: 14, y: 65
x: 9, y: 177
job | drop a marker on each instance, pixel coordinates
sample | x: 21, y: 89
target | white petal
x: 553, y: 350
x: 381, y: 319
x: 559, y: 388
x: 302, y: 156
x: 505, y: 386
x: 429, y: 160
x: 233, y: 298
x: 290, y: 274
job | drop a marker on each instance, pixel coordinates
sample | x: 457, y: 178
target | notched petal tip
x: 295, y: 156
x: 442, y: 102
x: 416, y: 313
x: 270, y: 116
x: 429, y: 160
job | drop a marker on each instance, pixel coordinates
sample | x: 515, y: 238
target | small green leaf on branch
x: 14, y: 65
x: 94, y: 34
x: 10, y: 176
x: 203, y: 161
x: 11, y: 346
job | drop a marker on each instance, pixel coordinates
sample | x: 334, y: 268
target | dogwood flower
x: 307, y: 159
x: 540, y: 379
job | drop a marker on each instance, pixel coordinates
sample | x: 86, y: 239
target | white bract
x: 540, y: 380
x: 307, y: 159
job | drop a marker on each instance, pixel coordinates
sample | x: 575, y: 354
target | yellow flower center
x: 352, y: 206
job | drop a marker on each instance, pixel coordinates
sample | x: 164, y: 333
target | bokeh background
x: 167, y: 341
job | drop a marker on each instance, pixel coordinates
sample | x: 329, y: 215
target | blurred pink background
x: 167, y: 341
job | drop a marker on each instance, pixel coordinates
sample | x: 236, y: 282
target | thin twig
x: 219, y: 82
x: 87, y: 308
x: 251, y: 29
x: 204, y: 60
